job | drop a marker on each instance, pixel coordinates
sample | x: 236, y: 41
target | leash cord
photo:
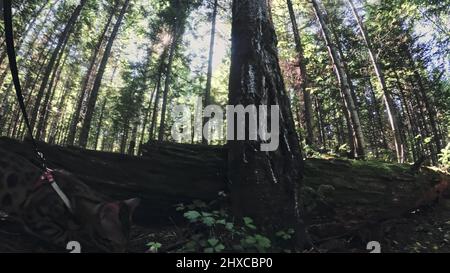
x: 9, y: 35
x: 7, y: 14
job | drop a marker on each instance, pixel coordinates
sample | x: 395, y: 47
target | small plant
x: 214, y: 231
x: 153, y: 247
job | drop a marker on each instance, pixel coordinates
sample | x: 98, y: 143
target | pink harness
x: 48, y: 178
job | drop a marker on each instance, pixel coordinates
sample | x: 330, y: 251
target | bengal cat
x: 103, y: 225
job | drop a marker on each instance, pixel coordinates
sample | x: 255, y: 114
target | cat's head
x: 113, y: 224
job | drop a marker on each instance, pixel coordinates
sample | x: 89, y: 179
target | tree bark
x: 387, y: 97
x: 430, y: 110
x: 158, y: 94
x: 87, y: 78
x: 100, y: 123
x: 57, y: 120
x: 263, y: 185
x: 176, y: 33
x: 210, y: 62
x: 302, y: 84
x: 146, y: 119
x: 40, y: 128
x: 61, y: 41
x: 84, y: 135
x: 342, y: 77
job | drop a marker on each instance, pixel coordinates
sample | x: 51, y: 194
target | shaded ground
x: 426, y: 230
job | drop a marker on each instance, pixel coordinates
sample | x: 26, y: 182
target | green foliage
x: 214, y: 231
x: 444, y: 157
x: 153, y: 247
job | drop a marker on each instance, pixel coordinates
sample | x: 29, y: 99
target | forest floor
x: 421, y: 231
x: 426, y: 231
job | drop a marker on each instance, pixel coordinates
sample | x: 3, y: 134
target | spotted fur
x: 102, y: 224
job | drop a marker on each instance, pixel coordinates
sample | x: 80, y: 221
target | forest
x: 112, y: 90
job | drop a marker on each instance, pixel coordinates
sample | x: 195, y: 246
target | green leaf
x: 250, y: 240
x: 209, y: 221
x: 192, y: 215
x: 229, y: 226
x: 213, y: 241
x: 209, y: 250
x: 221, y: 222
x: 247, y: 220
x: 263, y: 241
x: 219, y: 248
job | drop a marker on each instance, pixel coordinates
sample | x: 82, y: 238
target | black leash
x: 7, y: 15
x: 9, y: 34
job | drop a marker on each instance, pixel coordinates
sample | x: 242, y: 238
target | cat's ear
x: 110, y: 223
x: 109, y: 211
x: 132, y: 204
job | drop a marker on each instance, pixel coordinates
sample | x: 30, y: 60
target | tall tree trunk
x: 124, y: 138
x: 264, y: 185
x: 57, y: 120
x: 40, y: 128
x: 210, y: 62
x: 61, y: 41
x: 158, y: 94
x: 378, y: 114
x: 426, y: 101
x: 302, y: 85
x: 100, y: 122
x: 84, y: 86
x: 320, y: 125
x: 4, y: 108
x: 146, y: 119
x: 31, y: 25
x: 132, y: 145
x: 173, y: 46
x: 84, y: 135
x: 342, y: 77
x: 387, y: 97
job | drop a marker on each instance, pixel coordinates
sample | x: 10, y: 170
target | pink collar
x: 45, y: 178
x: 48, y: 178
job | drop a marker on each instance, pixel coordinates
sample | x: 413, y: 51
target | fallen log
x: 162, y: 179
x: 168, y: 174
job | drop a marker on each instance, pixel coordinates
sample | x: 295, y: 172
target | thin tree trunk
x: 100, y: 122
x: 60, y: 111
x: 302, y: 84
x: 319, y: 122
x: 84, y: 86
x: 210, y: 62
x: 4, y: 109
x: 378, y: 115
x: 124, y: 138
x: 173, y: 46
x: 387, y: 97
x: 158, y: 95
x: 342, y: 77
x: 61, y: 41
x: 84, y: 135
x: 263, y: 185
x: 31, y: 24
x: 40, y: 128
x: 426, y: 100
x: 132, y: 145
x: 146, y: 119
